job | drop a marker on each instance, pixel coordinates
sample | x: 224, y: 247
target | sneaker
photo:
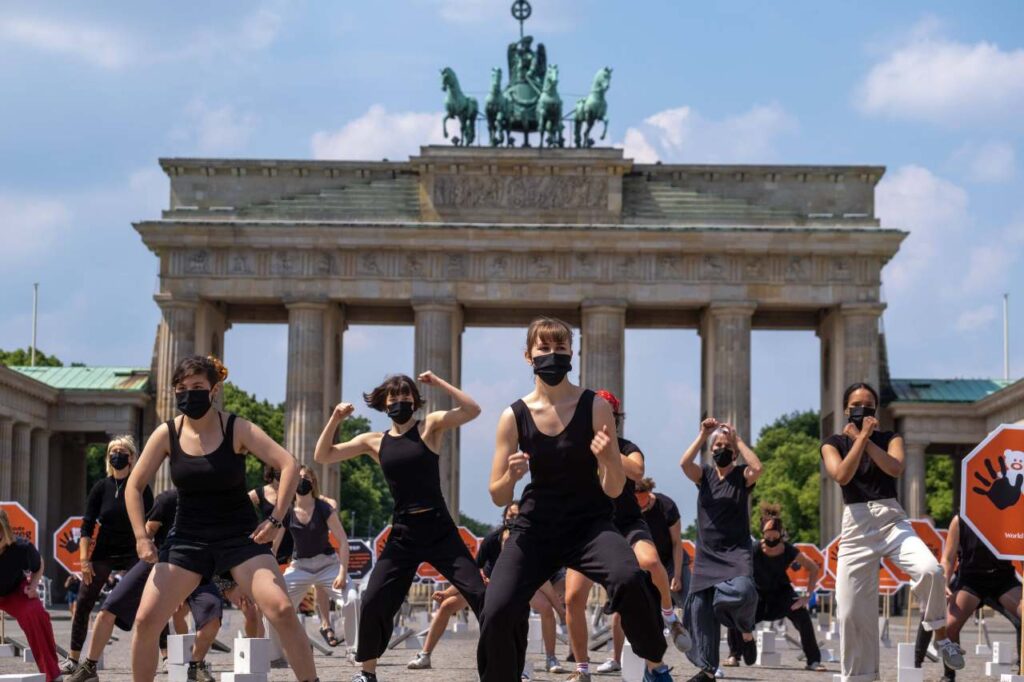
x: 750, y: 652
x: 579, y: 676
x: 68, y: 666
x: 816, y: 667
x: 680, y: 637
x: 365, y: 677
x: 609, y: 666
x: 951, y: 654
x: 525, y: 676
x: 701, y: 676
x: 421, y: 662
x: 731, y: 662
x: 85, y: 672
x: 719, y: 673
x: 662, y: 673
x: 552, y: 665
x: 198, y: 671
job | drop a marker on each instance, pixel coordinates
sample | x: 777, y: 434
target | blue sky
x: 934, y: 91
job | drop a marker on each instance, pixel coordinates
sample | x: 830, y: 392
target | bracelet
x: 273, y: 521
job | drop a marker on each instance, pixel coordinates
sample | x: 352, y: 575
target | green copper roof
x: 89, y: 378
x: 945, y: 390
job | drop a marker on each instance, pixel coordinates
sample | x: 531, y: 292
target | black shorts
x: 635, y: 531
x: 123, y: 601
x: 984, y: 586
x: 210, y: 558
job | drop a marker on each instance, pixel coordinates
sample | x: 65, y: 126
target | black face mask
x: 723, y: 457
x: 305, y: 487
x: 195, y: 403
x: 552, y: 367
x: 509, y: 521
x: 858, y: 413
x: 772, y: 543
x: 401, y: 411
x: 119, y: 461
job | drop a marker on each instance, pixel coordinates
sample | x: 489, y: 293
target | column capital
x: 730, y: 308
x: 613, y: 305
x: 427, y: 304
x: 917, y: 446
x: 306, y: 303
x: 865, y: 308
x: 167, y: 300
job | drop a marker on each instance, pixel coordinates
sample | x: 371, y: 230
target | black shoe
x: 750, y: 652
x: 702, y: 676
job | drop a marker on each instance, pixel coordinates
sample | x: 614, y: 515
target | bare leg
x: 261, y: 577
x: 541, y: 605
x: 167, y: 587
x: 180, y: 619
x: 102, y: 628
x: 618, y: 638
x: 204, y: 639
x: 962, y: 606
x: 449, y: 607
x: 647, y: 556
x: 577, y: 590
x: 323, y: 606
x: 1011, y: 601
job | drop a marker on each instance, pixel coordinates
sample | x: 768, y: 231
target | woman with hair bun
x: 215, y: 527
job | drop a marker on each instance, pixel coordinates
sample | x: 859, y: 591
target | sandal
x: 328, y: 635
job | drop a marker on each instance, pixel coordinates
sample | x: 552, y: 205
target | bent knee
x: 278, y: 610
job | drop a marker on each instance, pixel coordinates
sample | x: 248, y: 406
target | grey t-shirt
x: 723, y: 528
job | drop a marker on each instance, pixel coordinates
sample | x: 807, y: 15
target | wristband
x: 273, y: 521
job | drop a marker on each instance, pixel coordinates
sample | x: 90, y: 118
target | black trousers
x: 801, y: 619
x: 89, y: 594
x: 431, y: 537
x: 528, y: 559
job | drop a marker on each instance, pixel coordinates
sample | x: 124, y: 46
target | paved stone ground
x: 454, y: 661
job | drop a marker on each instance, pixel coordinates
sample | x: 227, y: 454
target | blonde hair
x: 128, y: 443
x: 7, y: 536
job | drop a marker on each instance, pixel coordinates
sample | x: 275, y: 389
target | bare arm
x: 152, y: 528
x: 328, y: 452
x: 812, y: 571
x: 605, y: 447
x: 334, y: 525
x: 891, y: 461
x: 949, y: 549
x: 153, y: 455
x: 508, y: 465
x: 252, y: 439
x: 688, y: 463
x: 676, y: 533
x: 843, y: 469
x: 465, y: 410
x: 754, y: 468
x: 633, y: 466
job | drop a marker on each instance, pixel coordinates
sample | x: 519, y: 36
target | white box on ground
x: 26, y: 677
x: 1002, y: 652
x: 7, y: 650
x: 177, y: 673
x: 832, y: 635
x: 243, y: 677
x: 828, y: 655
x: 905, y: 655
x: 632, y: 665
x: 765, y: 641
x: 982, y: 650
x: 1008, y: 677
x: 179, y: 649
x: 909, y: 675
x: 992, y: 669
x: 837, y: 678
x: 533, y: 638
x: 252, y: 655
x: 27, y: 657
x: 769, y: 658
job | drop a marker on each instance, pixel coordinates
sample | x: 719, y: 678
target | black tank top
x: 310, y: 539
x: 564, y: 488
x: 213, y: 501
x: 287, y: 546
x: 975, y: 557
x: 412, y: 470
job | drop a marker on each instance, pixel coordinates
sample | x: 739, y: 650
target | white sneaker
x: 951, y: 654
x: 553, y: 666
x: 609, y: 666
x: 421, y: 662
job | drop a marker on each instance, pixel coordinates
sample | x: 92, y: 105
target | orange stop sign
x: 689, y: 549
x: 888, y: 584
x: 992, y: 478
x: 23, y: 524
x: 66, y: 541
x: 425, y: 570
x: 800, y: 576
x: 831, y: 552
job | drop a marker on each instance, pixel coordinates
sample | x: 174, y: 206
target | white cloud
x: 95, y: 45
x: 976, y: 318
x: 683, y: 134
x: 932, y: 209
x: 29, y: 225
x: 215, y: 129
x: 987, y: 268
x: 932, y: 78
x: 379, y: 134
x: 991, y: 162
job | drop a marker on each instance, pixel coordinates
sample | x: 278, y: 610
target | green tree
x: 690, y: 532
x: 262, y: 413
x: 20, y: 357
x: 95, y: 464
x: 789, y: 450
x: 479, y: 528
x: 938, y: 481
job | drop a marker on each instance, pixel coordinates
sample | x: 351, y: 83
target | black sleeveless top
x: 412, y: 471
x: 310, y: 539
x: 976, y: 559
x: 564, y: 489
x: 287, y: 546
x: 213, y: 501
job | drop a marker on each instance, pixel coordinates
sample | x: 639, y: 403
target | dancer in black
x: 421, y: 528
x: 565, y: 436
x: 661, y: 514
x: 975, y: 577
x: 122, y: 604
x: 114, y: 546
x: 215, y: 527
x: 722, y: 591
x: 776, y: 597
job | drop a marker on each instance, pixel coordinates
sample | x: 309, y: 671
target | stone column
x: 912, y: 482
x: 176, y: 339
x: 40, y: 482
x: 439, y: 349
x: 6, y: 456
x: 849, y: 353
x: 304, y: 415
x: 602, y: 346
x: 21, y: 476
x: 334, y: 331
x: 725, y: 363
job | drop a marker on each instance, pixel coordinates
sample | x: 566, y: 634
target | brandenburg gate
x: 462, y: 236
